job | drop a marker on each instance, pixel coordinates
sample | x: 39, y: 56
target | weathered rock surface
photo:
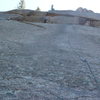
x: 27, y: 15
x: 23, y: 12
x: 80, y: 9
x: 5, y: 16
x: 49, y: 61
x: 81, y: 16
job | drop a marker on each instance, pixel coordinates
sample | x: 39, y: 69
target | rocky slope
x: 41, y: 61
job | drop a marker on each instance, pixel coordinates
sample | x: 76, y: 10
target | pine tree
x: 38, y: 9
x: 21, y: 4
x: 52, y: 7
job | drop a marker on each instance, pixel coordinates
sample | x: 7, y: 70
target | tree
x: 52, y: 7
x: 37, y: 9
x: 21, y: 4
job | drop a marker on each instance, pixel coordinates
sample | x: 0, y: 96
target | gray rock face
x: 81, y: 16
x: 4, y: 16
x: 49, y: 61
x: 80, y: 9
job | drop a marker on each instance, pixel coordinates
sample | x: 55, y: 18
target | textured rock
x: 49, y: 61
x: 80, y: 9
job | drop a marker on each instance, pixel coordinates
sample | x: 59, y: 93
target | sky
x: 45, y: 5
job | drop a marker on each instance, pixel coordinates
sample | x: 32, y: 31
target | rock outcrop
x: 80, y: 9
x: 81, y: 16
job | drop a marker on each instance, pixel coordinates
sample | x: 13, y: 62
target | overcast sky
x: 45, y: 5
